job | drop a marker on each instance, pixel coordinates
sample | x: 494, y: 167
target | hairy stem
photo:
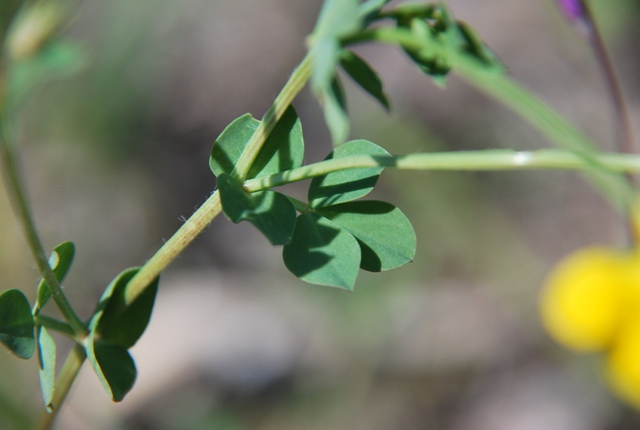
x: 294, y: 85
x: 483, y: 160
x: 174, y: 246
x: 212, y: 207
x: 67, y: 375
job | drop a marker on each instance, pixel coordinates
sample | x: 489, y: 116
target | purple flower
x: 574, y: 10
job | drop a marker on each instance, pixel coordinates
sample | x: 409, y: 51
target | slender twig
x: 503, y: 89
x: 212, y: 207
x: 298, y: 80
x: 174, y: 246
x: 56, y: 325
x: 483, y: 160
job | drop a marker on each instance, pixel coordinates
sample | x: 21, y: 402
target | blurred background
x: 117, y: 155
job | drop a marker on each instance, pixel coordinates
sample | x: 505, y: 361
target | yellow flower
x: 584, y: 301
x: 623, y: 363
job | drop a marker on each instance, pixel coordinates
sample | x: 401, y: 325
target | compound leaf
x: 283, y: 149
x: 346, y: 185
x: 385, y: 235
x: 60, y: 262
x: 365, y: 76
x: 322, y: 253
x: 118, y: 322
x: 46, y: 365
x: 270, y: 212
x: 16, y: 323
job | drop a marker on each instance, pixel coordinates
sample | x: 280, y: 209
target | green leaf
x: 338, y: 18
x: 371, y: 6
x: 322, y: 253
x: 113, y: 365
x: 60, y: 262
x: 16, y: 323
x: 365, y: 76
x: 270, y: 212
x: 56, y: 59
x: 326, y: 55
x: 120, y: 323
x: 454, y: 38
x: 335, y: 112
x: 283, y: 149
x: 46, y: 365
x: 346, y: 185
x: 385, y: 235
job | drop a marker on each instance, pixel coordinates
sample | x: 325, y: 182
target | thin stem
x: 294, y: 85
x: 212, y: 207
x: 483, y: 160
x: 501, y: 88
x: 67, y: 375
x: 15, y: 189
x: 624, y: 139
x: 174, y: 246
x: 56, y: 325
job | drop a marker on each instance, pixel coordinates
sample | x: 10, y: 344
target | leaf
x: 56, y: 59
x: 453, y: 38
x: 113, y: 365
x: 338, y: 18
x: 270, y: 212
x: 322, y: 253
x: 16, y: 323
x: 60, y: 262
x: 346, y: 185
x: 120, y: 323
x: 326, y: 56
x: 385, y: 235
x: 335, y: 112
x: 371, y: 6
x: 46, y: 365
x: 365, y: 76
x: 283, y: 149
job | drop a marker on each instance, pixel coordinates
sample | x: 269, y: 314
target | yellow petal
x: 623, y: 363
x: 583, y: 301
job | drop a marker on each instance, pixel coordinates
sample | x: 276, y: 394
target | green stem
x: 67, y: 375
x: 15, y: 190
x: 538, y: 114
x: 487, y: 160
x: 56, y: 325
x: 174, y: 246
x: 294, y: 85
x: 212, y: 207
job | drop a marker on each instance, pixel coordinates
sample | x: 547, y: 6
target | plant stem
x: 294, y: 85
x: 67, y: 375
x: 497, y: 85
x: 15, y: 189
x: 483, y: 160
x: 56, y: 325
x: 174, y: 246
x: 623, y: 129
x: 212, y: 207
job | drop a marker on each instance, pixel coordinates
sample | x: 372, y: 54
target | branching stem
x: 483, y: 160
